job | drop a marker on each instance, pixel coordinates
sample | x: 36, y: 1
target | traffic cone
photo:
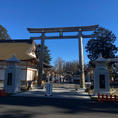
x: 111, y: 98
x: 106, y: 97
x: 102, y: 97
x: 3, y: 92
x: 99, y: 99
x: 115, y: 97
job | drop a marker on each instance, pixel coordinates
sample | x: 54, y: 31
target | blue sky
x: 17, y: 15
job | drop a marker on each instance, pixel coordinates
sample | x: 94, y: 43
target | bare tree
x: 71, y: 66
x: 58, y: 64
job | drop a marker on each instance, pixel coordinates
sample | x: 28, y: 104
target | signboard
x: 48, y: 89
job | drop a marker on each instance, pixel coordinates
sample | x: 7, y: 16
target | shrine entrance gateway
x: 61, y: 30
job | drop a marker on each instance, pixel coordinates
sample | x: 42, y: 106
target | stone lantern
x: 101, y: 77
x: 12, y: 83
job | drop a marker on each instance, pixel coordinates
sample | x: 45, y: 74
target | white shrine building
x: 24, y: 50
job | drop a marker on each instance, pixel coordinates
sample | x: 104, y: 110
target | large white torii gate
x: 61, y: 30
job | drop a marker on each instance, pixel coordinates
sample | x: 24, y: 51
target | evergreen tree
x: 47, y: 57
x: 103, y: 43
x: 3, y: 34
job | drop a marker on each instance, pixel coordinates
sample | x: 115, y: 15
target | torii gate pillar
x: 81, y: 60
x: 40, y: 68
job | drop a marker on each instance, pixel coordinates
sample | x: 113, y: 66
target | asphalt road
x: 36, y: 107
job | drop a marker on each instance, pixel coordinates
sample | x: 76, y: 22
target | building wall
x: 30, y: 74
x: 2, y: 72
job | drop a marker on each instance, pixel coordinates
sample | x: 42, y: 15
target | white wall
x: 30, y: 74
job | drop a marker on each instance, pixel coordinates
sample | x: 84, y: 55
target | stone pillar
x: 81, y: 61
x: 101, y: 77
x: 12, y: 82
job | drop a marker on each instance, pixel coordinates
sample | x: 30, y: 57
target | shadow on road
x: 69, y: 106
x: 15, y: 114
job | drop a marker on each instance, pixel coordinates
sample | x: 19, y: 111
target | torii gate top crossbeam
x: 62, y: 29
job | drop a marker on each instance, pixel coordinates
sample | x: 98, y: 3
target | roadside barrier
x: 112, y: 98
x: 2, y: 92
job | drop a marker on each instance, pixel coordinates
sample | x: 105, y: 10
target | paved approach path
x: 38, y: 107
x: 59, y: 91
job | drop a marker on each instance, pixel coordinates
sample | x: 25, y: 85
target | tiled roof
x: 20, y: 48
